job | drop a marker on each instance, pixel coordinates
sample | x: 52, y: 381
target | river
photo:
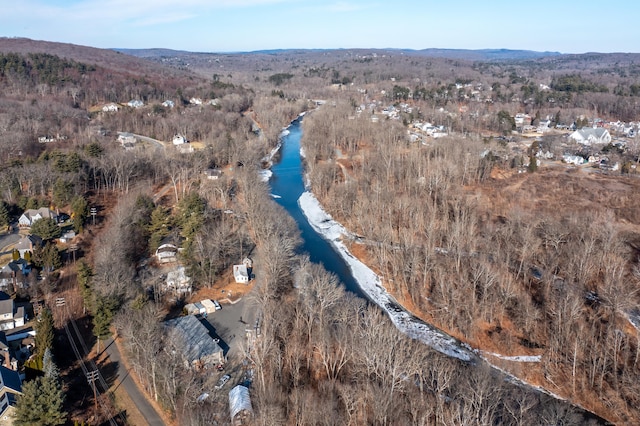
x: 287, y: 186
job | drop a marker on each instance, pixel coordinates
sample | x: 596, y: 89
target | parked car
x: 217, y: 305
x: 223, y: 381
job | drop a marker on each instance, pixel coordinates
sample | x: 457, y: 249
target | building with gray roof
x: 198, y: 347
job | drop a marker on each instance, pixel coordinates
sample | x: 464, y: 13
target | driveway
x: 230, y: 324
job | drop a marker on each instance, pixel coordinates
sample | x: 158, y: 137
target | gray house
x: 199, y: 348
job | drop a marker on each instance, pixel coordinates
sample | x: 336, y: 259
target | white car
x: 223, y: 381
x: 217, y: 305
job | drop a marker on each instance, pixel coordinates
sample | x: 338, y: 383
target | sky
x: 567, y: 26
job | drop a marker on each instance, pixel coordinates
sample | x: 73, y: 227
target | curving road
x: 138, y: 398
x: 10, y: 239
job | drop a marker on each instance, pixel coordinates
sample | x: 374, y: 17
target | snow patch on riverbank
x: 265, y: 175
x: 371, y: 285
x: 516, y: 358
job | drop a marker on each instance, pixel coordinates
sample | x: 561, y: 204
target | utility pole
x: 92, y: 376
x: 93, y: 212
x: 73, y: 248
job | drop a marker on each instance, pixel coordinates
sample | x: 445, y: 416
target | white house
x: 110, y: 107
x: 135, y: 103
x: 10, y: 317
x: 240, y: 273
x: 179, y: 140
x: 32, y: 215
x: 168, y: 104
x: 591, y: 136
x: 573, y: 159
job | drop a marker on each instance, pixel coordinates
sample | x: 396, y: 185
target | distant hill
x: 484, y: 54
x: 463, y: 54
x: 105, y: 58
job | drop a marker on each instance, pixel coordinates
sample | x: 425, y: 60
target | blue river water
x: 287, y: 185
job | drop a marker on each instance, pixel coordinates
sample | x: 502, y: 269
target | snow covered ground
x: 370, y: 284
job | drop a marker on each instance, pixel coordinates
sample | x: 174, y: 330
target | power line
x: 92, y: 373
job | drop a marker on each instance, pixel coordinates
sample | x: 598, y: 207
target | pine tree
x: 49, y: 366
x: 84, y: 282
x: 41, y: 404
x: 79, y: 212
x: 46, y: 228
x: 44, y: 332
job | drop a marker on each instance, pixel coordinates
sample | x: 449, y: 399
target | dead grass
x: 224, y: 290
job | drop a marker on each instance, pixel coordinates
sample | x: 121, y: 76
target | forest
x: 546, y: 261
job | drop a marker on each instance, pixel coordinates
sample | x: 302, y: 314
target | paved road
x: 7, y: 240
x: 138, y: 398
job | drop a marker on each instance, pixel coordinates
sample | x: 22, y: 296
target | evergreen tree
x: 44, y: 333
x: 84, y: 282
x: 41, y: 404
x: 46, y: 228
x: 51, y: 257
x: 158, y: 227
x: 79, y: 212
x: 49, y: 366
x: 105, y: 309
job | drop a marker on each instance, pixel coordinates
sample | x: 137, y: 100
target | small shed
x: 240, y: 273
x: 240, y: 405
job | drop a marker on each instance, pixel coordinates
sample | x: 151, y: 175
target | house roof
x: 177, y: 276
x: 42, y: 212
x: 10, y: 380
x: 587, y: 133
x: 240, y: 270
x: 4, y: 345
x: 6, y: 307
x: 198, y: 343
x: 28, y: 242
